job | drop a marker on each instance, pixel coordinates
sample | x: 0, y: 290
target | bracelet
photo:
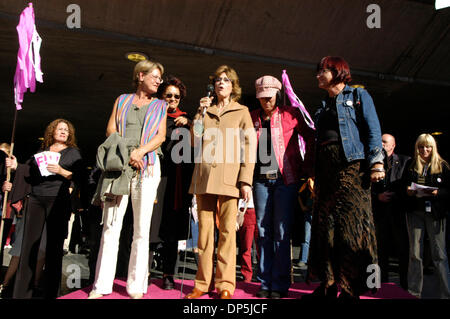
x: 381, y: 170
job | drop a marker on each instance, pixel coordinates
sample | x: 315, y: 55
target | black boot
x: 323, y: 292
x: 168, y: 283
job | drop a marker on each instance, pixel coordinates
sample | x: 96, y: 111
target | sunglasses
x: 176, y: 96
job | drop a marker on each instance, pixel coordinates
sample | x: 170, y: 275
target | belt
x: 270, y: 175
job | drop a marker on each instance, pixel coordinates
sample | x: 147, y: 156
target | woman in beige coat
x: 226, y: 143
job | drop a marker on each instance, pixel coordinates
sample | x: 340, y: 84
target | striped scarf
x: 155, y: 113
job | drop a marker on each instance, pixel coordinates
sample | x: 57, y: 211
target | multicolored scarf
x: 155, y: 113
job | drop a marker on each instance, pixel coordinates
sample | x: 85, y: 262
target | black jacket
x: 440, y: 203
x: 393, y: 182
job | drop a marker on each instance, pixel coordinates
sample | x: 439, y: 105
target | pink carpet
x: 243, y: 291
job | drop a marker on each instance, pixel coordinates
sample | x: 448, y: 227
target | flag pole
x: 8, y: 178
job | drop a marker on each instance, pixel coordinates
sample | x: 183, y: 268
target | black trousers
x: 55, y: 212
x: 392, y: 240
x: 169, y: 257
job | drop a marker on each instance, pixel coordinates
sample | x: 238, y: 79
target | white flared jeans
x: 143, y: 193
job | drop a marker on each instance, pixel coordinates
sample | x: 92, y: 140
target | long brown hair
x: 50, y: 131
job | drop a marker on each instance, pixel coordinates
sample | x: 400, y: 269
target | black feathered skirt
x: 343, y: 242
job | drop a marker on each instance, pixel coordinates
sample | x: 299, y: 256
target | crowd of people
x: 245, y: 173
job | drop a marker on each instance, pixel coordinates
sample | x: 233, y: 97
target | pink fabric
x: 296, y: 102
x: 28, y: 68
x: 243, y: 290
x: 284, y: 123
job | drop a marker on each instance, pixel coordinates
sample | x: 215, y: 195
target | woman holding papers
x: 49, y: 174
x: 428, y: 189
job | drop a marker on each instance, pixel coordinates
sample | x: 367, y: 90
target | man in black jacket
x: 390, y: 215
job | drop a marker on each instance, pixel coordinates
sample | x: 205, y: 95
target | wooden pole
x: 8, y: 178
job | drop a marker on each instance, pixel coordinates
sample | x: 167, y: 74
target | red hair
x: 338, y: 67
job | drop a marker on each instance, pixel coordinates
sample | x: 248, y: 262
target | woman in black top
x: 49, y: 203
x: 427, y: 210
x: 177, y: 176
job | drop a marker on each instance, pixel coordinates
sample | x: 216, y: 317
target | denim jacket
x: 359, y: 127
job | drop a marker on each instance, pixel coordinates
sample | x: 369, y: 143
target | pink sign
x: 45, y: 158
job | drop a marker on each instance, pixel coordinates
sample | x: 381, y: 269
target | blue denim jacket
x: 358, y: 125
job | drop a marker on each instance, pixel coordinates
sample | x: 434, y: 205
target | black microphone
x: 209, y: 92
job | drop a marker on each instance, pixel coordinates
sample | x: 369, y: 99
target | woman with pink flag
x: 284, y: 155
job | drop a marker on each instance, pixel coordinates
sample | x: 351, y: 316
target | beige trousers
x: 225, y: 275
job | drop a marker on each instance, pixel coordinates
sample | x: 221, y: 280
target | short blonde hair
x: 236, y: 91
x: 5, y: 147
x: 145, y: 66
x: 436, y: 160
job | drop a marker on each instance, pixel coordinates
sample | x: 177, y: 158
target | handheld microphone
x: 209, y: 92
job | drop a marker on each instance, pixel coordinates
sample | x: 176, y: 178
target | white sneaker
x: 94, y: 295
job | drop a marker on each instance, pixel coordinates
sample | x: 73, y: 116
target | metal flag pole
x: 198, y: 133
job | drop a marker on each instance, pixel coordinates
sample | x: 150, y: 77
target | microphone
x: 209, y: 92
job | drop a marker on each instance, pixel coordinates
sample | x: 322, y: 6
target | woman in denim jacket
x: 348, y: 157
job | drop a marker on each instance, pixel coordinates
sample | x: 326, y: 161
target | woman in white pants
x: 142, y: 117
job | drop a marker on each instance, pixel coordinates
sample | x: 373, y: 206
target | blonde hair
x: 5, y: 147
x: 145, y: 67
x: 236, y: 91
x: 436, y: 160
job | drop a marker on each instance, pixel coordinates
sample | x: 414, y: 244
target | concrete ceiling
x: 405, y: 64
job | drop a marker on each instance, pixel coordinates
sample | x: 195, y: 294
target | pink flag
x: 28, y: 68
x: 296, y: 102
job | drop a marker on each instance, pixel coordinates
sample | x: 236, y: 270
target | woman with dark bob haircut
x: 348, y: 157
x: 48, y: 204
x: 175, y: 179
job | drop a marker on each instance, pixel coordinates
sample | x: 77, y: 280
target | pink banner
x: 296, y: 102
x: 28, y: 69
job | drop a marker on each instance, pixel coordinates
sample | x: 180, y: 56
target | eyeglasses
x: 157, y: 78
x: 176, y: 96
x: 226, y: 80
x: 322, y: 71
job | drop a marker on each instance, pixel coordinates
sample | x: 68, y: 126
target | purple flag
x: 296, y: 102
x: 28, y: 68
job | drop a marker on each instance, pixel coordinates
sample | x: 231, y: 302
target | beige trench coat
x: 228, y: 151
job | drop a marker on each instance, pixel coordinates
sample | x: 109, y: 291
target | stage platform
x: 243, y: 291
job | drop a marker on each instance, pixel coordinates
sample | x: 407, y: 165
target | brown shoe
x: 194, y: 294
x: 225, y: 294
